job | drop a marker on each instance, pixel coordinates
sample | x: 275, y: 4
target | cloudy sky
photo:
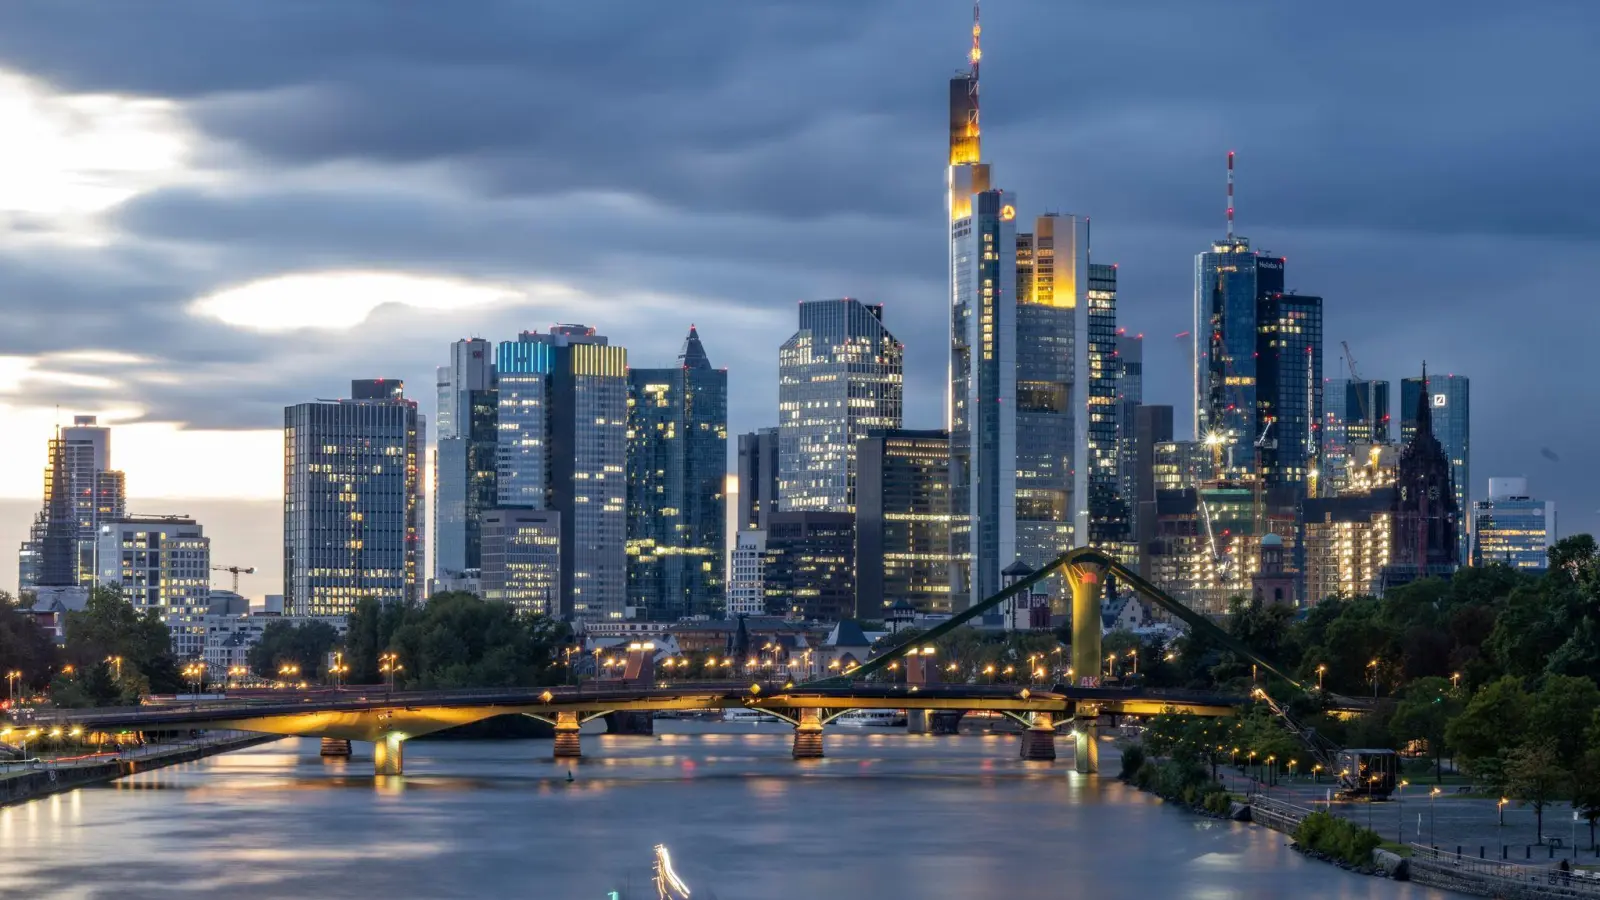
x: 209, y: 210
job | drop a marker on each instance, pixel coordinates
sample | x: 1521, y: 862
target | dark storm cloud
x: 1426, y: 167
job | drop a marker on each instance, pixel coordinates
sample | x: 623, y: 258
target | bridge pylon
x: 1088, y: 580
x: 808, y: 734
x: 1039, y: 738
x: 568, y: 726
x: 388, y: 754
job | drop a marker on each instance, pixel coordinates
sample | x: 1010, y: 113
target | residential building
x: 757, y: 475
x: 352, y: 500
x: 522, y: 559
x: 563, y: 422
x: 1513, y: 528
x: 746, y: 591
x: 161, y: 563
x: 677, y: 474
x: 809, y: 570
x: 903, y: 521
x: 839, y: 378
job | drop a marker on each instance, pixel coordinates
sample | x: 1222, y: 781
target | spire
x: 1230, y: 196
x: 1424, y: 412
x: 693, y: 355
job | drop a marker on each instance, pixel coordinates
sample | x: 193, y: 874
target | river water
x: 885, y: 816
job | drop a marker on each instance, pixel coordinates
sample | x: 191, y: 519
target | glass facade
x: 1289, y: 390
x: 522, y: 559
x: 903, y: 522
x: 839, y: 377
x: 1229, y: 280
x: 1355, y: 414
x: 162, y: 564
x: 91, y: 492
x: 466, y: 487
x: 1108, y: 511
x: 983, y: 391
x: 1513, y: 528
x: 677, y: 460
x: 810, y: 565
x: 758, y: 478
x: 352, y: 503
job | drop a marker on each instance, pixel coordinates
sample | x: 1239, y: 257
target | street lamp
x: 338, y: 669
x: 1502, y: 810
x: 1112, y: 661
x: 1455, y: 679
x: 989, y: 671
x: 1374, y: 667
x: 1321, y: 668
x: 389, y: 664
x: 116, y: 662
x: 1431, y: 796
x: 12, y: 677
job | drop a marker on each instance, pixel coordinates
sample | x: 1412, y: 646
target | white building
x: 745, y: 594
x: 161, y: 563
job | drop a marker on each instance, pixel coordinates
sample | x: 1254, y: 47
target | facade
x: 1046, y: 303
x: 746, y: 593
x: 352, y: 500
x: 87, y: 492
x: 677, y: 465
x: 1513, y: 528
x: 1130, y: 396
x: 563, y: 420
x: 903, y: 521
x: 1230, y: 281
x: 1147, y: 428
x: 839, y: 378
x: 1109, y: 527
x: 471, y: 368
x: 467, y: 484
x: 1427, y: 523
x: 162, y: 563
x: 1288, y: 391
x: 757, y: 474
x: 809, y: 569
x: 1450, y: 411
x: 1354, y: 413
x: 1347, y: 543
x: 522, y: 559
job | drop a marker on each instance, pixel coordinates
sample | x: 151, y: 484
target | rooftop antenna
x: 1230, y: 196
x: 974, y: 57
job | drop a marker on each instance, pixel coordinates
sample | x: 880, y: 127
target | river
x: 885, y: 816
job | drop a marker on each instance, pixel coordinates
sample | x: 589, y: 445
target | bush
x: 1132, y: 761
x: 1337, y: 838
x: 1219, y: 803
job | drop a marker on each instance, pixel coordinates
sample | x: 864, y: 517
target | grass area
x: 1396, y: 849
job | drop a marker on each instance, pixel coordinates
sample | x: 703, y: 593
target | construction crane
x: 1363, y: 773
x: 1350, y: 362
x: 237, y: 571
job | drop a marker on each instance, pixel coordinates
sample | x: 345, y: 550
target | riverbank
x: 21, y: 782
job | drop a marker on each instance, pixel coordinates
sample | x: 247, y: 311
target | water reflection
x: 883, y: 816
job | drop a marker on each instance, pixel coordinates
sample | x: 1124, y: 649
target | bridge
x: 387, y: 720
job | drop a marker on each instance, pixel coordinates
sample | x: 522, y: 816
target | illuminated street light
x: 389, y: 665
x: 1320, y: 670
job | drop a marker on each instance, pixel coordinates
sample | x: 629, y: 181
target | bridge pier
x: 917, y: 721
x: 808, y: 735
x: 567, y: 729
x: 1087, y: 747
x: 388, y: 755
x: 1039, y: 739
x: 335, y: 747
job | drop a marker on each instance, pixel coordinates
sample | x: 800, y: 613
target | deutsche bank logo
x: 1441, y: 400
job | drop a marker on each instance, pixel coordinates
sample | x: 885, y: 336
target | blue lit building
x: 1288, y: 389
x: 1229, y: 281
x: 677, y: 460
x: 1513, y: 528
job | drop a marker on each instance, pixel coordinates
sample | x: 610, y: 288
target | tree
x: 24, y: 646
x: 1586, y: 789
x: 461, y: 640
x: 1495, y: 719
x: 304, y: 645
x: 1561, y: 714
x: 1423, y: 714
x: 111, y: 628
x: 1534, y: 775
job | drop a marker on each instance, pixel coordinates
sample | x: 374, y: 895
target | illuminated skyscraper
x: 1288, y: 391
x: 1355, y: 413
x: 352, y: 500
x: 464, y: 458
x: 903, y: 521
x: 91, y: 492
x: 677, y: 466
x: 522, y: 558
x: 839, y: 378
x: 1108, y: 514
x: 162, y: 564
x: 563, y: 419
x: 1512, y: 527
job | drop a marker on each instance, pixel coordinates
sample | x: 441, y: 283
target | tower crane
x: 1361, y: 395
x: 237, y: 571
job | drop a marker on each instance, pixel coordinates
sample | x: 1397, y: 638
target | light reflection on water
x: 884, y: 816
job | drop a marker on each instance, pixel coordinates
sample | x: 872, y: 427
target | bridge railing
x: 1509, y: 879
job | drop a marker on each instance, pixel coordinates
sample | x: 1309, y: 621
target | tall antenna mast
x: 1230, y: 196
x: 974, y: 57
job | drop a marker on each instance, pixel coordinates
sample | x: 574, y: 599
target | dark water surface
x: 885, y: 816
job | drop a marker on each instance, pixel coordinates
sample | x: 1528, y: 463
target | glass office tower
x: 1449, y: 401
x: 1512, y: 527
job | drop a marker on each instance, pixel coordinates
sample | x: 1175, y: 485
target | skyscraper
x: 758, y: 477
x: 1512, y: 527
x: 809, y: 570
x: 466, y: 486
x: 352, y: 500
x: 1449, y: 407
x: 1108, y: 516
x: 903, y: 521
x: 839, y: 378
x: 677, y: 465
x: 1045, y: 304
x: 746, y: 583
x: 465, y: 458
x: 1355, y: 414
x: 522, y: 558
x: 563, y: 420
x: 88, y: 492
x: 1288, y: 391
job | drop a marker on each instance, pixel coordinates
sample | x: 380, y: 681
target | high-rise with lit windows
x: 1513, y: 528
x: 903, y: 521
x: 352, y: 500
x: 677, y: 465
x: 90, y: 492
x: 1288, y: 392
x: 522, y: 559
x: 840, y: 376
x: 163, y: 565
x: 563, y: 423
x: 1109, y: 524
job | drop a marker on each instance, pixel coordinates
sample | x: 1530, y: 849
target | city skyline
x: 1154, y: 207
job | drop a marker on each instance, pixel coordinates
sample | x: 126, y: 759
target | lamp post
x: 389, y: 664
x: 1455, y: 679
x: 1321, y: 669
x: 1502, y: 810
x: 1271, y: 769
x: 12, y: 677
x: 1374, y: 667
x: 116, y: 664
x: 1400, y: 818
x: 1112, y: 662
x: 1431, y: 796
